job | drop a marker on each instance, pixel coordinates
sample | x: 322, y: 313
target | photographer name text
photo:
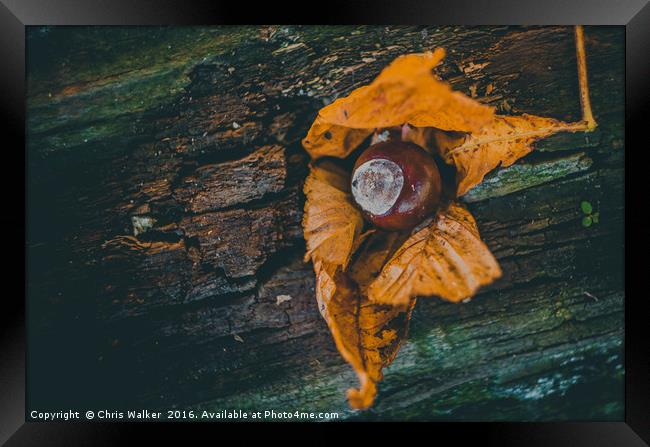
x: 149, y: 415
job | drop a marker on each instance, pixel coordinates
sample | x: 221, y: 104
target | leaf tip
x: 362, y: 398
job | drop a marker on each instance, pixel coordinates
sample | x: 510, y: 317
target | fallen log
x: 165, y: 246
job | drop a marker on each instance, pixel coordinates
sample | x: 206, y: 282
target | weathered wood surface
x: 165, y: 174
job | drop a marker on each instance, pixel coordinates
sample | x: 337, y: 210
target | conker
x: 396, y: 184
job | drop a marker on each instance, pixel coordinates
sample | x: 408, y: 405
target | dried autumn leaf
x: 507, y: 138
x: 405, y: 92
x: 332, y: 224
x: 367, y: 307
x: 502, y: 142
x: 447, y: 259
x: 374, y: 253
x: 366, y: 334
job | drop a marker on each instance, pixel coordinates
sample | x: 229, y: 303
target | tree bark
x: 164, y: 227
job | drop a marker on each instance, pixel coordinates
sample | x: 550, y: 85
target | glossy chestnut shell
x: 396, y: 184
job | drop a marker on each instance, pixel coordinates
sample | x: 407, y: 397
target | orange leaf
x: 366, y: 334
x: 447, y: 259
x: 502, y: 142
x: 405, y: 92
x: 373, y: 255
x: 368, y: 305
x: 332, y: 224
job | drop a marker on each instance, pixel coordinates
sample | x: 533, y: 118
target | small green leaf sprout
x: 589, y: 216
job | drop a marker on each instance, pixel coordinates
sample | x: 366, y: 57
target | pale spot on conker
x: 376, y: 185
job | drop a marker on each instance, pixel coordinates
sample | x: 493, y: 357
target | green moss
x: 64, y: 56
x: 129, y: 72
x: 526, y: 175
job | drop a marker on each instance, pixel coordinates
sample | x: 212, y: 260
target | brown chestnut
x: 396, y: 184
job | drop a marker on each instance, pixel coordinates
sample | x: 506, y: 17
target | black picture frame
x: 15, y: 15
